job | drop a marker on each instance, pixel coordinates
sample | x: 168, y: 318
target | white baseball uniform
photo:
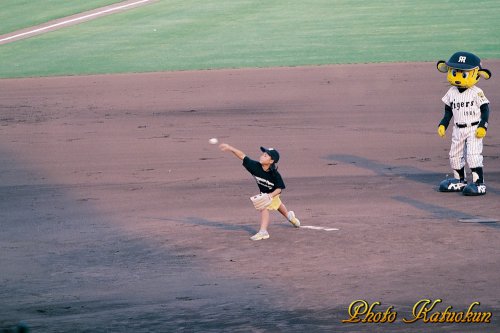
x: 466, y: 116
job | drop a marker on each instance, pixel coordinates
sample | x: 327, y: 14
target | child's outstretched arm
x: 238, y: 153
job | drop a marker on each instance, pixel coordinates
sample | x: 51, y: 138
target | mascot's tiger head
x: 464, y: 69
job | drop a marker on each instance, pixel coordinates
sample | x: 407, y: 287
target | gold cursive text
x: 361, y: 312
x: 422, y: 310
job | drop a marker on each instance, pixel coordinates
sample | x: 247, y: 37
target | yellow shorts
x: 275, y: 204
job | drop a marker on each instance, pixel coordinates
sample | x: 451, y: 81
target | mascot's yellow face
x: 464, y: 69
x: 463, y: 78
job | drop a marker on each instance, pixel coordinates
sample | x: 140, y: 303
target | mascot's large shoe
x: 474, y: 189
x: 452, y: 185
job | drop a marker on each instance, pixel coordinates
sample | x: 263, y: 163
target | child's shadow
x: 193, y: 220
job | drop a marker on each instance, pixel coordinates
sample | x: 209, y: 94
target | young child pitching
x: 270, y: 185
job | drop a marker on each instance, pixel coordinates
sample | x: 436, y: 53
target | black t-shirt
x: 268, y: 181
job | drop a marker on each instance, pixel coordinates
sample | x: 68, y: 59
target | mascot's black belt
x: 467, y: 125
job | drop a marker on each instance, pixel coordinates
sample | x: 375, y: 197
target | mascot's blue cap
x: 464, y: 60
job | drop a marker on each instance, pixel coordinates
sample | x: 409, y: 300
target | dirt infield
x: 118, y: 216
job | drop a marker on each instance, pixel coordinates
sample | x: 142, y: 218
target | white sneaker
x: 293, y: 220
x: 260, y: 235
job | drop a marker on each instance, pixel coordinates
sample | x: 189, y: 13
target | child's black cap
x: 275, y: 156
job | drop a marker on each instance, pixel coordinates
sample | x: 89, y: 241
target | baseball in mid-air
x: 213, y: 141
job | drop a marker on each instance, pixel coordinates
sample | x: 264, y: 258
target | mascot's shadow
x: 383, y: 170
x: 440, y: 212
x: 411, y: 174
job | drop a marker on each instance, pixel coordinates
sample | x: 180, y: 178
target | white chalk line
x: 73, y: 20
x: 317, y: 228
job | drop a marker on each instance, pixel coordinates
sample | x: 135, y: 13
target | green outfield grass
x: 20, y: 14
x: 188, y: 34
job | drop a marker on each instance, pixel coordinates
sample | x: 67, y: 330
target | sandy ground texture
x: 116, y: 215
